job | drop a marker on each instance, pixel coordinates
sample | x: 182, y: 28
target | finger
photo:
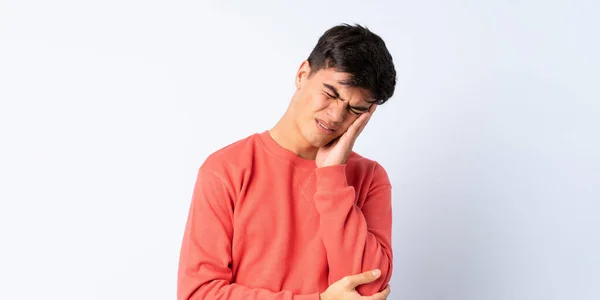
x: 356, y: 127
x: 360, y: 125
x: 364, y: 123
x: 372, y: 108
x: 379, y: 296
x: 362, y: 278
x: 370, y: 113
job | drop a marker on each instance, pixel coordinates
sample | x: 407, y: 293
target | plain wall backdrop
x: 491, y: 141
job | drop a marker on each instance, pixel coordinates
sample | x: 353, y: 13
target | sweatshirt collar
x: 283, y: 153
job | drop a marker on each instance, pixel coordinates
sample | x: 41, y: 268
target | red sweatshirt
x: 265, y: 223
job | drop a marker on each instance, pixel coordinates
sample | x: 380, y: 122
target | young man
x: 293, y: 212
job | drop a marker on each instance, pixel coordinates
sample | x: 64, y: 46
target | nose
x: 336, y: 111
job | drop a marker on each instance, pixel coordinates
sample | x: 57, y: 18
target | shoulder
x: 231, y: 157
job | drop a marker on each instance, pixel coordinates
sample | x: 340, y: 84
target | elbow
x: 381, y: 283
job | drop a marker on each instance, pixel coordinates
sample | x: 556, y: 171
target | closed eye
x: 354, y: 111
x: 359, y: 110
x: 330, y: 95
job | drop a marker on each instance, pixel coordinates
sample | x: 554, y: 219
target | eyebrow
x: 337, y: 95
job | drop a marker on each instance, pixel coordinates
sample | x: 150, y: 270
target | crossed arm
x: 356, y: 239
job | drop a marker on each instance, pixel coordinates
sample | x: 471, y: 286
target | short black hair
x: 354, y: 49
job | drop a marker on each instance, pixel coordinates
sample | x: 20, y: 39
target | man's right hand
x: 345, y: 288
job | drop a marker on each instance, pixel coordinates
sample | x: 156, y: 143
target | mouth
x: 326, y: 128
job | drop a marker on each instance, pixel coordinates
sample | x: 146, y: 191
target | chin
x: 314, y: 139
x: 319, y: 144
x: 319, y: 140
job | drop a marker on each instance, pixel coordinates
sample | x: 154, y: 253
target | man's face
x: 324, y: 108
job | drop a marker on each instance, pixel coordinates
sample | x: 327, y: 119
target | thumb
x: 363, y: 278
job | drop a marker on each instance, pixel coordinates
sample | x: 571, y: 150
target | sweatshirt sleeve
x: 205, y: 257
x: 356, y: 239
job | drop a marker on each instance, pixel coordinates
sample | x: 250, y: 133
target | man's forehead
x: 334, y: 78
x: 331, y: 75
x: 337, y: 79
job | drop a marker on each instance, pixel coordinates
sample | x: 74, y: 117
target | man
x: 293, y: 212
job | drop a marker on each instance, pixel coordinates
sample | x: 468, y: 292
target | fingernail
x: 376, y: 273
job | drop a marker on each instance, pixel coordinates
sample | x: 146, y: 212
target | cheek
x: 349, y: 120
x: 318, y: 103
x: 347, y: 124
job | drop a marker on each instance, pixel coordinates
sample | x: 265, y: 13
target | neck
x: 287, y: 135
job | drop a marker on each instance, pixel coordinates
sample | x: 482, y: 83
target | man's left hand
x: 338, y: 150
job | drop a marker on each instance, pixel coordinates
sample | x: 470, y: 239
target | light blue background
x: 491, y: 140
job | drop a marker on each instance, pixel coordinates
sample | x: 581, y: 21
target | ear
x: 302, y: 73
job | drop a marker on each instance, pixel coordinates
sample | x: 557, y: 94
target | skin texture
x: 321, y: 96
